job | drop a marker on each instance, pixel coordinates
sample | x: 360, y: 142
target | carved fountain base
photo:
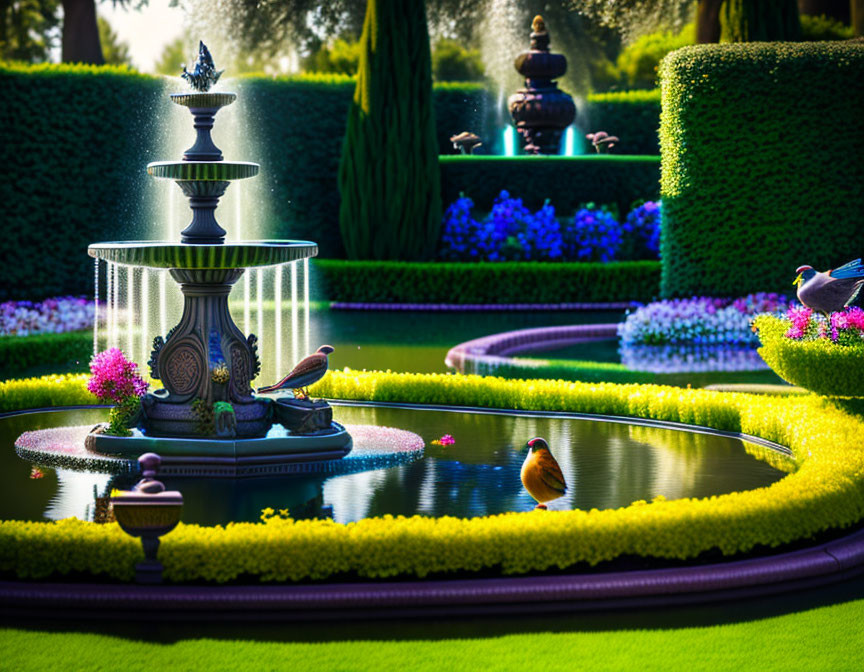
x: 207, y: 409
x: 206, y: 365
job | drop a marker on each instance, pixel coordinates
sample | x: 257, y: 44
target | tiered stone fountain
x: 206, y: 363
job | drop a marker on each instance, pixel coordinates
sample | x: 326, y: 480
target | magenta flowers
x: 115, y: 378
x: 845, y: 327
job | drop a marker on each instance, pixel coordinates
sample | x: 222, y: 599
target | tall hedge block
x: 762, y: 164
x: 388, y: 176
x: 73, y: 145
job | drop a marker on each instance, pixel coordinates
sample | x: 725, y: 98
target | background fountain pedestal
x: 541, y: 111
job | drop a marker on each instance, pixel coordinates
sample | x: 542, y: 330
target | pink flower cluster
x: 445, y: 440
x: 845, y: 327
x: 799, y: 316
x: 115, y: 378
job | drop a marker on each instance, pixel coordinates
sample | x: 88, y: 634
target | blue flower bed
x: 595, y: 235
x: 511, y: 232
x: 641, y: 232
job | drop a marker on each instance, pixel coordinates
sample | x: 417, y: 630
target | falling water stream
x: 276, y: 303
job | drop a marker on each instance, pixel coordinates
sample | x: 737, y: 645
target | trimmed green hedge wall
x: 20, y: 353
x: 632, y: 116
x: 508, y: 282
x: 567, y: 181
x: 763, y: 164
x: 75, y: 140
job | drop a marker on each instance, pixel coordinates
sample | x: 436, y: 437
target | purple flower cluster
x: 56, y: 315
x: 844, y: 327
x: 512, y: 232
x: 115, y: 378
x: 700, y: 320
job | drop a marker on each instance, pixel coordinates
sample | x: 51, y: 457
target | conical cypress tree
x: 388, y: 176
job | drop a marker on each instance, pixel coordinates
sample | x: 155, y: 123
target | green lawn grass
x: 818, y: 637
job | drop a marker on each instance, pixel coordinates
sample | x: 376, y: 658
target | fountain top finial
x: 539, y: 34
x: 538, y: 25
x: 204, y: 75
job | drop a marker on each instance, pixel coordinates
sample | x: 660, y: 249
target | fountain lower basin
x: 336, y: 452
x: 278, y: 445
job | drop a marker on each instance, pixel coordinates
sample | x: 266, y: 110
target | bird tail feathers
x: 856, y: 292
x: 854, y: 269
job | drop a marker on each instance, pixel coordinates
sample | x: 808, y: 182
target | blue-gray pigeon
x: 832, y: 290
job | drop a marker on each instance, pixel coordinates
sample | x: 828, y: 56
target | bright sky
x: 146, y: 31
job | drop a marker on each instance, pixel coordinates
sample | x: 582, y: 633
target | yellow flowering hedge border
x: 820, y: 365
x: 824, y: 491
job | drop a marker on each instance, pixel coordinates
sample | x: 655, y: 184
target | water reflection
x: 606, y: 465
x: 75, y: 494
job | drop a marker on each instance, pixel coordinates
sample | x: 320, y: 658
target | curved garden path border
x: 489, y: 351
x: 481, y: 307
x: 828, y: 562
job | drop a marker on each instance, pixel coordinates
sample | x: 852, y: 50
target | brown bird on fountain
x: 829, y: 291
x: 308, y: 371
x: 541, y: 474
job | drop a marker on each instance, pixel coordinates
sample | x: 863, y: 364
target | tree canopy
x: 29, y: 29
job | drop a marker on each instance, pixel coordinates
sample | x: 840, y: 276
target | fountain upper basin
x: 203, y: 171
x: 237, y: 254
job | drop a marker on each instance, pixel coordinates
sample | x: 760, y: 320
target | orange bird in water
x: 308, y: 371
x: 541, y: 474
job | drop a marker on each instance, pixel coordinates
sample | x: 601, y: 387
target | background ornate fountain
x: 541, y: 111
x: 206, y: 363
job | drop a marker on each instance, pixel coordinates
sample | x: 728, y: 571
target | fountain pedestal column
x: 205, y: 359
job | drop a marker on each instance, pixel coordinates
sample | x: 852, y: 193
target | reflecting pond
x: 606, y: 465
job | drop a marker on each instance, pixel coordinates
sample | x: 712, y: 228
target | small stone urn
x: 541, y: 111
x: 148, y: 511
